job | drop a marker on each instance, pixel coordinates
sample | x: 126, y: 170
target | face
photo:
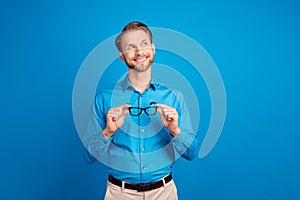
x: 138, y: 51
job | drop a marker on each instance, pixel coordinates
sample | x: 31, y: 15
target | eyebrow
x: 131, y: 44
x: 146, y: 40
x: 143, y: 40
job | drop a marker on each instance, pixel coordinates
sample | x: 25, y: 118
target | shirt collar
x: 127, y: 86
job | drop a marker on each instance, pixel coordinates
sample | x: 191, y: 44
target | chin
x: 141, y: 68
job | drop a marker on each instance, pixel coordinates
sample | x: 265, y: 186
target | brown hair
x: 132, y: 26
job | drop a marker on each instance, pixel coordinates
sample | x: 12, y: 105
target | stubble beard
x: 141, y: 68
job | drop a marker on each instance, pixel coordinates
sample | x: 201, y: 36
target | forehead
x: 134, y: 36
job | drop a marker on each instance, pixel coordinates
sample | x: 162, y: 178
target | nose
x: 139, y: 50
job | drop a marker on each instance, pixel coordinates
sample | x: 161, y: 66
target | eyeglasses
x: 151, y: 110
x: 136, y: 111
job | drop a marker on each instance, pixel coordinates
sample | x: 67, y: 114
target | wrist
x: 107, y: 134
x: 175, y: 132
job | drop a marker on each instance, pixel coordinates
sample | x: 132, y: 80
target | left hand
x: 169, y: 118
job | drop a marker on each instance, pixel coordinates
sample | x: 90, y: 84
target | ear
x: 121, y: 55
x: 153, y: 47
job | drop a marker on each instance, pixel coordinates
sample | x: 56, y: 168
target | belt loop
x: 164, y: 182
x: 123, y: 186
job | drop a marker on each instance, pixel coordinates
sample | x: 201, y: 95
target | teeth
x: 141, y: 60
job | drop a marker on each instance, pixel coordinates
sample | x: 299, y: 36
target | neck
x: 139, y: 80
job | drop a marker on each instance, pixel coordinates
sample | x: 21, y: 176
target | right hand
x: 115, y: 119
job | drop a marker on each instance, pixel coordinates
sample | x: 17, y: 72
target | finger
x: 160, y: 107
x: 159, y: 110
x: 125, y: 109
x: 163, y: 106
x: 162, y: 112
x: 169, y: 110
x: 117, y: 112
x: 125, y: 106
x: 114, y: 115
x: 111, y: 117
x: 167, y: 113
x: 171, y: 117
x: 162, y: 115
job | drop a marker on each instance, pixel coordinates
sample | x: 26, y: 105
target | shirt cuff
x: 182, y: 141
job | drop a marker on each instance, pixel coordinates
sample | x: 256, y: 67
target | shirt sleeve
x: 93, y: 140
x: 186, y: 144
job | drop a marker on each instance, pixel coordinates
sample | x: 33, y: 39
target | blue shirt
x: 142, y: 150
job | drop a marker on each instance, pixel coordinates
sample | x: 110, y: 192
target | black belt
x: 141, y: 187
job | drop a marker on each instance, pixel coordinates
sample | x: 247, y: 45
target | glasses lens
x: 135, y: 111
x: 151, y: 110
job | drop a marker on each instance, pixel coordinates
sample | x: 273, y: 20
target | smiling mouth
x: 141, y: 59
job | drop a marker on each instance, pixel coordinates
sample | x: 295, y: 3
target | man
x: 139, y: 127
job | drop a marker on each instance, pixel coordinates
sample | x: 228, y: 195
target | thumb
x: 125, y: 109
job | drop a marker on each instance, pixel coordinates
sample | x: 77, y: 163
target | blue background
x: 255, y: 45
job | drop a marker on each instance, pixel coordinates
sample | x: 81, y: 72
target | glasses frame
x: 141, y: 110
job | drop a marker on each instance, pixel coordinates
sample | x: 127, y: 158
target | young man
x: 142, y: 127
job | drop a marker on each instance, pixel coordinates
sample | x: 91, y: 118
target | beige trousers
x: 166, y: 192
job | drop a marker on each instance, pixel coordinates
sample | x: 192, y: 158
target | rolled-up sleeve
x: 95, y: 144
x: 186, y: 144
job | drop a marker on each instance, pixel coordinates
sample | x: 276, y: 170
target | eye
x: 130, y: 47
x: 145, y: 44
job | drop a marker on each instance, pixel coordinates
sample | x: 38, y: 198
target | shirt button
x: 143, y: 130
x: 143, y: 148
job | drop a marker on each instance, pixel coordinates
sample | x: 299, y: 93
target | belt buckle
x: 142, y: 187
